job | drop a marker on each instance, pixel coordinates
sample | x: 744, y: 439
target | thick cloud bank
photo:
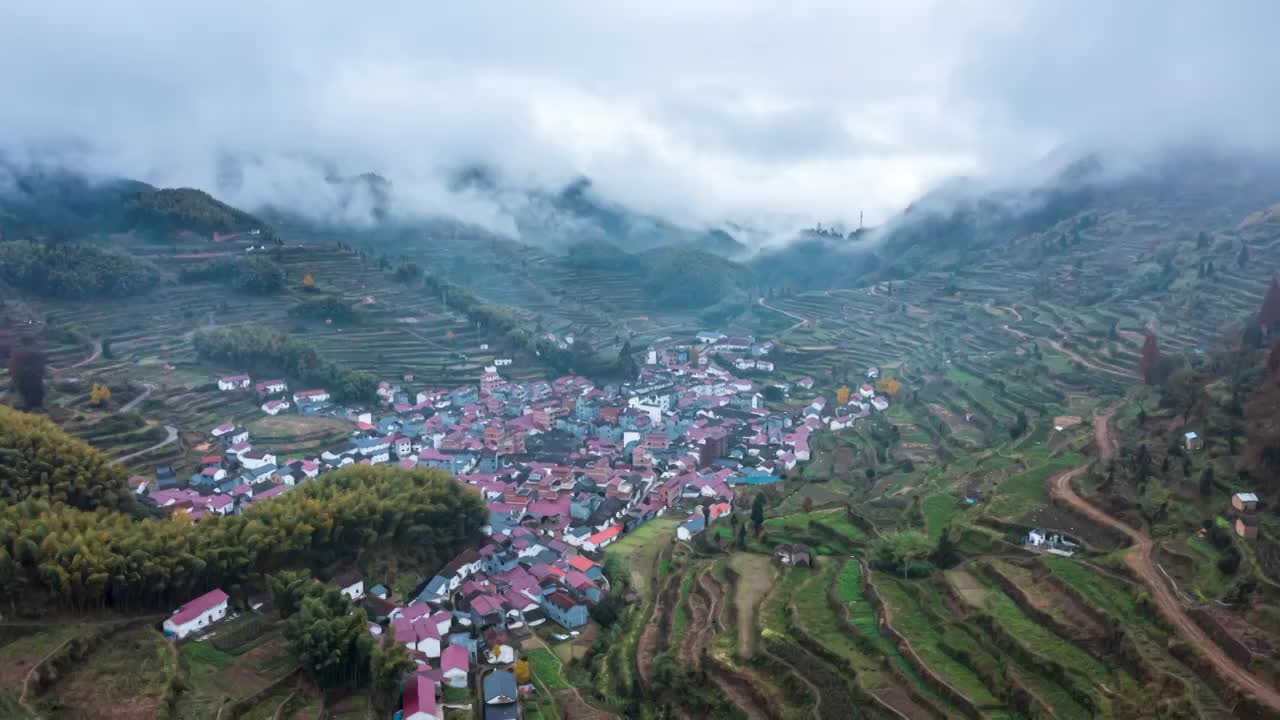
x: 703, y: 113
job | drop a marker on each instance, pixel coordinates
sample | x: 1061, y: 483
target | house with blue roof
x: 691, y: 527
x: 564, y: 609
x: 434, y: 591
x: 754, y: 477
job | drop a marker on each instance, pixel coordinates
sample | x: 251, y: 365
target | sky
x: 703, y: 113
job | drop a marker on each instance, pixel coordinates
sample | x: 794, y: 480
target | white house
x: 233, y: 382
x: 254, y: 459
x: 197, y: 614
x: 867, y: 391
x: 311, y: 396
x: 764, y: 365
x: 501, y: 362
x: 271, y: 387
x: 275, y: 407
x: 351, y: 585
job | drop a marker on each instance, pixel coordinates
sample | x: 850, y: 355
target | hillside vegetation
x: 75, y: 270
x: 54, y: 554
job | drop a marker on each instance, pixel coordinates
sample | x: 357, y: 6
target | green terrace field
x: 143, y: 346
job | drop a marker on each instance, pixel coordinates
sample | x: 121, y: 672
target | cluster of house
x: 1245, y: 505
x: 274, y: 393
x: 565, y: 468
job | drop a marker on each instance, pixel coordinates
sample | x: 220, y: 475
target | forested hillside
x: 64, y: 543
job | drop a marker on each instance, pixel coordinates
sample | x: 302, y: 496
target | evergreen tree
x: 389, y: 663
x: 289, y: 588
x: 757, y: 513
x: 1242, y: 258
x: 332, y: 641
x: 1150, y: 359
x: 1269, y: 315
x: 26, y: 375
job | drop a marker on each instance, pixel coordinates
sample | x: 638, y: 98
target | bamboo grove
x: 74, y: 556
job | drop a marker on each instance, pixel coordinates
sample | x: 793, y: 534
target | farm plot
x: 125, y: 677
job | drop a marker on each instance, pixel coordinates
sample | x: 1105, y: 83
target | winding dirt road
x: 800, y: 322
x: 150, y: 388
x: 172, y: 436
x: 1077, y: 357
x: 1139, y: 559
x: 97, y: 353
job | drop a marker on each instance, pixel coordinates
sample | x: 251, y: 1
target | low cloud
x: 702, y: 113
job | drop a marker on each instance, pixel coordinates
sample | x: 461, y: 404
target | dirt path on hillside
x: 150, y: 388
x: 654, y: 636
x: 800, y: 322
x: 171, y: 438
x: 1071, y: 354
x: 1010, y: 309
x: 1139, y: 559
x: 570, y: 700
x: 97, y: 353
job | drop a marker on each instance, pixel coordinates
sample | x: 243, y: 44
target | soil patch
x: 968, y: 587
x: 756, y: 574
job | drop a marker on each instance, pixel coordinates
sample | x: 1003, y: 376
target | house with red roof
x: 197, y: 614
x: 419, y: 699
x: 233, y: 382
x: 455, y: 666
x: 602, y: 539
x: 311, y: 396
x: 270, y: 387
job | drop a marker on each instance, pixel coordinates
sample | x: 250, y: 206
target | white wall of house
x: 203, y: 620
x: 355, y: 590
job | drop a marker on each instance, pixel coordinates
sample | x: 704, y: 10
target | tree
x: 606, y: 612
x: 1269, y: 315
x: 1242, y: 258
x: 1150, y: 359
x: 388, y: 665
x: 26, y: 373
x: 332, y: 641
x: 99, y: 394
x: 1019, y: 424
x: 409, y: 272
x: 308, y: 282
x: 289, y: 588
x: 626, y: 364
x: 757, y: 513
x: 1206, y: 481
x: 889, y: 386
x: 807, y: 504
x: 903, y: 553
x: 842, y: 395
x: 106, y: 348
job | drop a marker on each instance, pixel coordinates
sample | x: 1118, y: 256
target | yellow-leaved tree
x: 889, y: 386
x: 842, y: 395
x: 99, y: 394
x: 308, y: 281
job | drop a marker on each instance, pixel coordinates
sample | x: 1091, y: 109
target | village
x: 566, y: 468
